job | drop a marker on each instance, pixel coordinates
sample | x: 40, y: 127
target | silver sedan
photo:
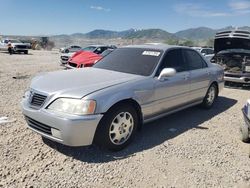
x: 106, y: 104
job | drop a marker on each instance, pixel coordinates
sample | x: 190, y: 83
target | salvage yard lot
x: 191, y: 148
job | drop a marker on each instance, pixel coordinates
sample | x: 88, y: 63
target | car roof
x: 156, y: 46
x: 99, y: 45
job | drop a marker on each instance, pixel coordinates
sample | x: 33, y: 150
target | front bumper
x: 66, y: 129
x: 238, y: 78
x: 246, y: 126
x: 18, y: 49
x: 247, y: 120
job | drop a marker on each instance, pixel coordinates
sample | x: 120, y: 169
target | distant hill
x: 196, y: 33
x: 200, y: 36
x: 99, y: 33
x: 151, y: 34
x: 203, y: 33
x: 199, y: 33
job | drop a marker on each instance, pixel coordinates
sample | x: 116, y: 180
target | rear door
x: 173, y: 91
x: 199, y: 74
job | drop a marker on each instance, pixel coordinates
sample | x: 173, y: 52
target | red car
x: 85, y: 58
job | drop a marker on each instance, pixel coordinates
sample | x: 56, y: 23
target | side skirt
x: 171, y: 111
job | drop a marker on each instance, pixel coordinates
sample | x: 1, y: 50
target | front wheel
x: 244, y: 133
x: 210, y: 97
x: 117, y: 128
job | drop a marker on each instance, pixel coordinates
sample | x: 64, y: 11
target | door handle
x: 208, y: 72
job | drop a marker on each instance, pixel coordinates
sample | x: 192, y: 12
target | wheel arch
x: 134, y: 104
x: 217, y: 87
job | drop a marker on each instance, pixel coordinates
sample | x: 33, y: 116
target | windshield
x: 106, y: 52
x: 15, y: 41
x: 131, y: 60
x: 89, y: 48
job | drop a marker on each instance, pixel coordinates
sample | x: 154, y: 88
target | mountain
x: 203, y: 33
x: 196, y: 33
x: 100, y: 33
x: 150, y: 34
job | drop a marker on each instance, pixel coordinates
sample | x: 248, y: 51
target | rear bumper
x: 68, y: 130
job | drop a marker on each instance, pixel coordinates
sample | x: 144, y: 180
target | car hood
x: 222, y: 44
x: 78, y: 83
x: 86, y: 57
x: 18, y: 44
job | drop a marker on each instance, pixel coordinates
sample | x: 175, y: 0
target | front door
x: 173, y: 91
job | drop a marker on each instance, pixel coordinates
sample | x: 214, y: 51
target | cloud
x: 99, y: 8
x: 197, y: 10
x: 239, y: 5
x: 235, y: 8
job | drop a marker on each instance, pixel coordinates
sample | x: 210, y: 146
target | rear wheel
x: 210, y: 97
x: 26, y: 52
x: 117, y: 128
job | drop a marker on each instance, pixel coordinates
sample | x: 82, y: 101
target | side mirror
x: 166, y: 72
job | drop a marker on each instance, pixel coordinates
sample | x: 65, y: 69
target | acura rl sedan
x: 107, y: 103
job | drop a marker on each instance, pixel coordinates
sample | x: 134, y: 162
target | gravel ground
x: 191, y: 148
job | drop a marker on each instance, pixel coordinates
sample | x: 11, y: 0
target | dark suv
x: 232, y: 52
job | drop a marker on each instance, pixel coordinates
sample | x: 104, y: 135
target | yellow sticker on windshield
x: 151, y: 53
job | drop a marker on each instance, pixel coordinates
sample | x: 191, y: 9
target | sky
x: 50, y: 17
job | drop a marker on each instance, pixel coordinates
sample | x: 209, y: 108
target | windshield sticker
x: 151, y: 53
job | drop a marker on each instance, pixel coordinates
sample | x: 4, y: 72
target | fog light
x: 56, y: 133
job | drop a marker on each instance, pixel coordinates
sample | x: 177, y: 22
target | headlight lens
x: 73, y: 106
x: 26, y: 94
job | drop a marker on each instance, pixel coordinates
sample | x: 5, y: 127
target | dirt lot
x: 192, y: 148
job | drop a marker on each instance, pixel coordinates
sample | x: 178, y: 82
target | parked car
x: 64, y: 58
x: 16, y: 45
x: 245, y: 128
x: 97, y: 49
x: 232, y: 52
x: 204, y: 51
x: 70, y: 49
x: 107, y: 103
x: 86, y: 59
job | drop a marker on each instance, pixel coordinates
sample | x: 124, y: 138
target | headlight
x: 26, y: 94
x: 73, y: 106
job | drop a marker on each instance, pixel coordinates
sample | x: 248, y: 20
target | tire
x: 245, y: 133
x: 26, y: 52
x: 117, y: 128
x: 211, y: 95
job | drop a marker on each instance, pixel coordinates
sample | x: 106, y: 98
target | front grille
x: 21, y: 46
x: 65, y: 58
x: 37, y: 99
x: 232, y: 75
x: 38, y: 126
x: 72, y: 64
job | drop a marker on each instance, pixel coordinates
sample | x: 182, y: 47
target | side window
x: 203, y: 51
x: 210, y: 51
x: 103, y: 49
x: 194, y: 60
x: 173, y: 59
